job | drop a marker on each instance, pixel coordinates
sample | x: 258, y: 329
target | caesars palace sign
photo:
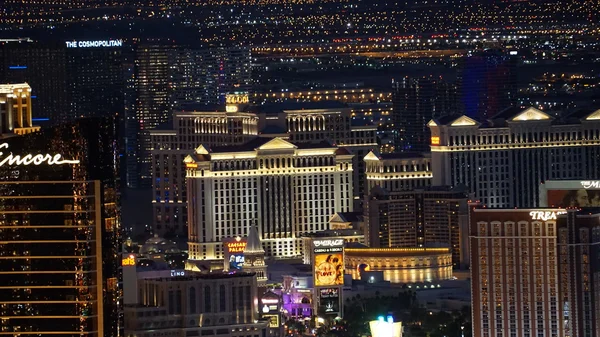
x: 33, y: 159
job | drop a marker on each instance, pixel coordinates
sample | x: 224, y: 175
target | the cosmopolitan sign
x: 545, y: 215
x: 94, y: 44
x: 33, y: 159
x: 591, y: 184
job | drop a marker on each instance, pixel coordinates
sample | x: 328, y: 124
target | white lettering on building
x: 30, y: 159
x: 591, y: 184
x: 545, y: 215
x: 329, y: 243
x: 91, y: 44
x: 177, y: 272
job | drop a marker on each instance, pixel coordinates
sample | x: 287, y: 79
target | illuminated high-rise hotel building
x: 287, y: 189
x: 237, y: 123
x: 170, y: 147
x: 15, y: 109
x: 515, y: 287
x: 402, y: 209
x: 60, y: 232
x: 504, y: 160
x: 170, y: 79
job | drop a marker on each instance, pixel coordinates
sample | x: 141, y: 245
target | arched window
x: 193, y: 309
x: 207, y: 301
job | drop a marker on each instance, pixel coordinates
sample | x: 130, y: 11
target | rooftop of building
x: 191, y: 276
x: 516, y: 114
x: 258, y: 142
x: 393, y: 252
x: 11, y: 87
x: 275, y: 108
x: 334, y: 233
x: 350, y: 216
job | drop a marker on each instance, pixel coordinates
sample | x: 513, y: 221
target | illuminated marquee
x: 236, y: 247
x: 94, y: 44
x: 29, y: 159
x: 591, y: 184
x: 435, y: 140
x: 545, y: 215
x: 329, y: 243
x: 237, y: 99
x: 128, y: 261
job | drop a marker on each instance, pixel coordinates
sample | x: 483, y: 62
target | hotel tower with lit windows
x: 503, y: 160
x: 287, y: 188
x: 60, y: 232
x: 238, y: 123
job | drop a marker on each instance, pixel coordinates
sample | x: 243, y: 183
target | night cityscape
x: 296, y: 168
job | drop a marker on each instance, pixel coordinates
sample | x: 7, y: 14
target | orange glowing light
x: 128, y: 261
x: 435, y: 140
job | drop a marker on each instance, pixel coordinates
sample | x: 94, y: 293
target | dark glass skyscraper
x: 60, y: 234
x: 416, y: 101
x: 487, y: 83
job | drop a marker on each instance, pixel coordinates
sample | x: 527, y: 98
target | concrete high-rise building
x: 43, y: 67
x: 423, y: 217
x: 15, y: 110
x: 286, y: 188
x: 195, y: 304
x: 515, y: 280
x: 504, y: 160
x: 237, y: 123
x: 487, y: 82
x: 170, y: 147
x: 579, y: 271
x: 415, y: 102
x: 70, y: 82
x: 60, y: 262
x: 397, y: 172
x: 169, y: 79
x: 206, y: 76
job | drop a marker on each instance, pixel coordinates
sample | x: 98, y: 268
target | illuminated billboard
x: 570, y: 193
x: 329, y: 300
x: 328, y: 262
x: 233, y: 249
x: 385, y: 328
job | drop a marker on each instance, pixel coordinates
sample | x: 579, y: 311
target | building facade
x: 579, y: 271
x: 169, y: 78
x: 487, y: 82
x: 423, y: 217
x: 236, y: 123
x: 415, y: 102
x: 401, y: 265
x: 515, y: 280
x: 15, y: 110
x: 61, y: 232
x: 169, y: 149
x: 503, y: 161
x: 216, y: 304
x: 287, y: 188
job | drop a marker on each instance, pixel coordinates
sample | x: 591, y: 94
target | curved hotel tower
x: 60, y: 232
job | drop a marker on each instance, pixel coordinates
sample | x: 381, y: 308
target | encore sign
x: 33, y: 159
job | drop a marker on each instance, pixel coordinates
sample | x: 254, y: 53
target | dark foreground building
x: 579, y: 270
x: 60, y: 232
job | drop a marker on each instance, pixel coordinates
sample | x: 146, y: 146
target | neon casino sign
x: 591, y: 184
x: 33, y: 159
x: 545, y: 215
